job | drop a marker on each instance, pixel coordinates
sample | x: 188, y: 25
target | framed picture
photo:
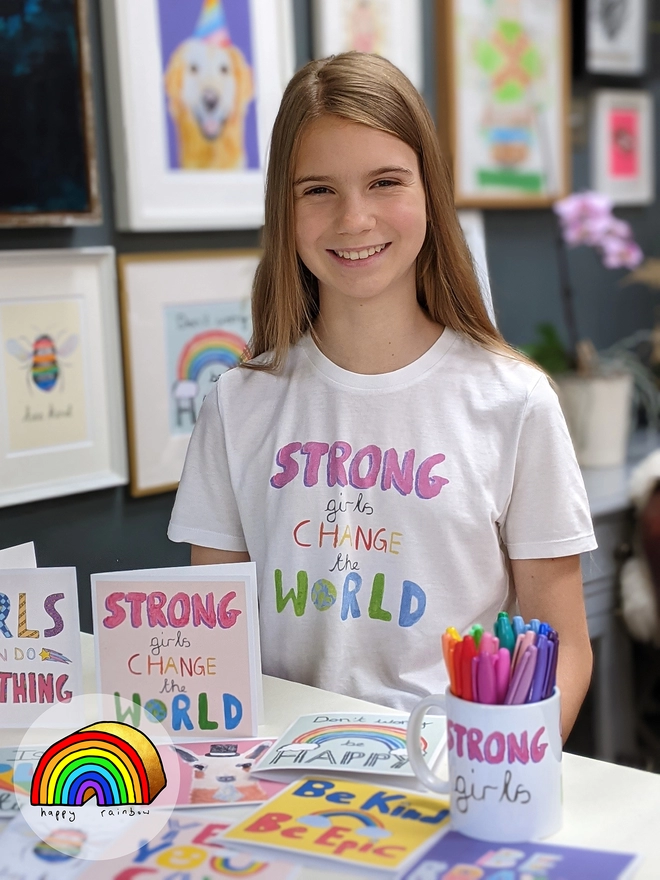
x: 61, y: 403
x: 472, y: 224
x: 186, y: 319
x: 503, y: 87
x: 622, y: 150
x: 193, y: 87
x: 391, y: 28
x: 48, y: 172
x: 616, y: 37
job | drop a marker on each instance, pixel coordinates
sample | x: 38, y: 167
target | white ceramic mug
x: 504, y: 766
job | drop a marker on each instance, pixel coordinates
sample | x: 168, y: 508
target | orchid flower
x: 586, y: 219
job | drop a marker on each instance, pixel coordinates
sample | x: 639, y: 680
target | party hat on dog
x: 212, y: 23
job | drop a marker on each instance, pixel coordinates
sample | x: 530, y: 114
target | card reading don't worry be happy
x: 179, y: 646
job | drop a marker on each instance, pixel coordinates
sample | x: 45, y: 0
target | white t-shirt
x: 379, y: 509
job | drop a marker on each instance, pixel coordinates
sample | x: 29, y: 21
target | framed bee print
x: 61, y: 403
x: 617, y: 33
x: 622, y: 146
x: 503, y: 97
x: 194, y: 87
x: 391, y: 28
x: 186, y: 320
x: 48, y: 169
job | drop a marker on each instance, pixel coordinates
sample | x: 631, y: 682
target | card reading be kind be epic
x: 181, y: 646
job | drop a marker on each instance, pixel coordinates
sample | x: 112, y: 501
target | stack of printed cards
x: 370, y: 746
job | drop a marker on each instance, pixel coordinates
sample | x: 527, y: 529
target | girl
x: 391, y: 465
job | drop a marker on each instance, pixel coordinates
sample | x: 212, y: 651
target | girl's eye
x: 316, y: 191
x: 384, y: 184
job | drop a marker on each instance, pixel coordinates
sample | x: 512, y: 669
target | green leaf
x: 548, y: 350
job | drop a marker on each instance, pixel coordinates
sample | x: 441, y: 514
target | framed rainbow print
x: 194, y: 87
x: 622, y: 151
x: 61, y: 403
x: 503, y: 95
x: 186, y: 319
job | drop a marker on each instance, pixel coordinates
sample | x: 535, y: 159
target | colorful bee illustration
x: 42, y: 357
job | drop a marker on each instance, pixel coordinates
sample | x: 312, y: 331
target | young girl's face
x: 360, y: 210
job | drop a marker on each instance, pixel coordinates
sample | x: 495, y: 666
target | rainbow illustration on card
x: 368, y: 743
x: 205, y: 349
x: 393, y: 738
x: 110, y: 761
x: 223, y: 865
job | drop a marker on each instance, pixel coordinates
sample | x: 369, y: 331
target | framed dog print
x: 391, y: 28
x: 61, y: 404
x: 503, y: 96
x: 194, y: 87
x: 622, y: 150
x: 186, y: 319
x: 617, y: 37
x: 48, y: 171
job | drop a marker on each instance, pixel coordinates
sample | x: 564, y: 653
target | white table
x: 605, y: 806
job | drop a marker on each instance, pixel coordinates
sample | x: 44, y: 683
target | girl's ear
x: 243, y: 74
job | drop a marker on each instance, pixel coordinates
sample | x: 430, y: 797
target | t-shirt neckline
x: 403, y: 376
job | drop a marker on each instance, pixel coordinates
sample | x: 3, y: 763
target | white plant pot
x: 597, y: 410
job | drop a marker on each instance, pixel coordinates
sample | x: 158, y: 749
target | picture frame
x: 391, y: 28
x: 48, y: 166
x: 472, y: 224
x: 503, y: 98
x: 622, y: 146
x: 617, y: 37
x: 186, y: 319
x: 62, y: 411
x: 193, y: 87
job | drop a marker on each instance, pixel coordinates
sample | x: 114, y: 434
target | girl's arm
x: 551, y: 590
x: 211, y: 556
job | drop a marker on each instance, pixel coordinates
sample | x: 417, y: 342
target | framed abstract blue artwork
x: 48, y: 173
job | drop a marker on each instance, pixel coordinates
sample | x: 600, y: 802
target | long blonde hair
x: 369, y: 90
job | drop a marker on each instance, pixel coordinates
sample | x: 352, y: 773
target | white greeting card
x: 180, y: 645
x: 40, y: 659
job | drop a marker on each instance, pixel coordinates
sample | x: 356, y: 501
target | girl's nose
x: 354, y: 216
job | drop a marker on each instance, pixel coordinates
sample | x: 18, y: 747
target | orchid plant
x: 585, y: 218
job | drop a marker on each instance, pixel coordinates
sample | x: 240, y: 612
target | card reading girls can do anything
x: 40, y: 659
x: 181, y: 646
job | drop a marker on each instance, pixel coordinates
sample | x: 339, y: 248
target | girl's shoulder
x: 505, y: 368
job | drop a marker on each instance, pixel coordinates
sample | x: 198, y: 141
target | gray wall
x: 105, y: 531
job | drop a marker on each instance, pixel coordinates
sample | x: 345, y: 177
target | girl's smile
x: 360, y: 212
x: 359, y: 257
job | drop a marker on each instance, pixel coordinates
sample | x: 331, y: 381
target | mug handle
x: 413, y: 736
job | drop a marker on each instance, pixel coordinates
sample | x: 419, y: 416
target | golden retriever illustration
x: 209, y: 88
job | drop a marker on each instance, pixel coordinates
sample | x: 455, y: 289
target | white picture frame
x: 62, y: 425
x: 392, y: 28
x: 156, y: 185
x: 616, y: 37
x: 472, y: 224
x: 179, y: 314
x: 622, y: 146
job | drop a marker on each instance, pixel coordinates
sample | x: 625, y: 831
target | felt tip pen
x: 504, y: 631
x: 468, y: 653
x: 519, y: 625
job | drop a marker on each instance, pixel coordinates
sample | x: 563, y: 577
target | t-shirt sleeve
x: 548, y: 510
x: 205, y: 510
